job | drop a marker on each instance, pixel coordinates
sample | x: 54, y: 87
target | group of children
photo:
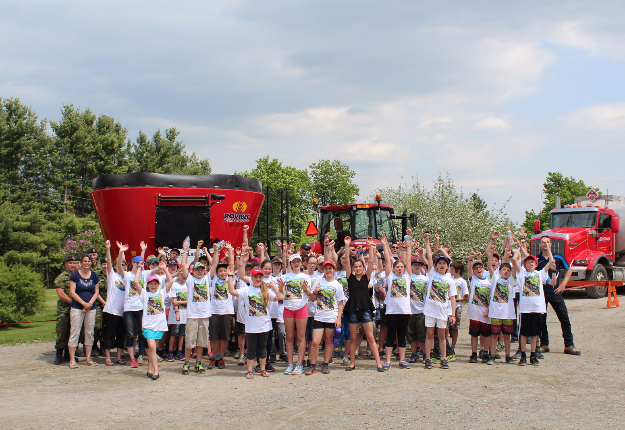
x: 410, y: 294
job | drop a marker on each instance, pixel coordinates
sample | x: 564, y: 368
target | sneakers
x: 269, y: 368
x: 311, y: 370
x: 538, y: 355
x: 185, y: 368
x: 180, y: 356
x: 428, y: 364
x: 133, y: 363
x: 451, y: 357
x: 387, y: 365
x: 534, y: 360
x: 199, y: 368
x: 404, y: 365
x: 544, y: 348
x: 523, y: 360
x: 298, y: 370
x: 572, y: 350
x: 140, y: 359
x: 211, y: 363
x: 257, y: 368
x: 59, y: 357
x: 241, y: 361
x: 509, y: 360
x: 335, y: 354
x: 289, y: 369
x: 473, y: 358
x: 491, y: 360
x: 444, y: 364
x: 272, y: 358
x: 325, y: 369
x: 237, y: 355
x: 283, y: 358
x: 435, y: 359
x: 413, y: 358
x: 307, y: 363
x: 485, y: 356
x: 346, y: 361
x: 170, y: 356
x: 518, y: 353
x: 221, y: 364
x: 500, y: 346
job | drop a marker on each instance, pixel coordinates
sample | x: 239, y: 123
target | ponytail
x: 264, y: 291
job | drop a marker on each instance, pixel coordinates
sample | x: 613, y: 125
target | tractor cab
x: 358, y: 221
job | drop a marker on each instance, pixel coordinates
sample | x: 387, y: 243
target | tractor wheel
x: 598, y: 274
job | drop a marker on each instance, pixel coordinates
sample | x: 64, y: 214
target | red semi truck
x: 588, y: 233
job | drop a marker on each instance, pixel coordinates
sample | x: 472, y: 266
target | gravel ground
x: 563, y: 392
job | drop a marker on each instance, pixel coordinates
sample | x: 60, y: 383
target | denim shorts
x: 361, y: 316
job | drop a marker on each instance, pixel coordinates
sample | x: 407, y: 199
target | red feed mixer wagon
x: 163, y: 210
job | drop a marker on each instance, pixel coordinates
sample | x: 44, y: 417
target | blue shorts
x: 176, y: 329
x: 361, y: 316
x: 346, y: 333
x: 151, y: 334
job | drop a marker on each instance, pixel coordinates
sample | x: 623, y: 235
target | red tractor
x: 358, y: 221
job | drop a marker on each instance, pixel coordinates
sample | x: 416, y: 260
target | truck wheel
x: 598, y: 274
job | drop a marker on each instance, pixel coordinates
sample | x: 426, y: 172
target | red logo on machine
x: 237, y: 216
x: 592, y: 195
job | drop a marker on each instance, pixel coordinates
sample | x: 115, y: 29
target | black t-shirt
x: 359, y: 294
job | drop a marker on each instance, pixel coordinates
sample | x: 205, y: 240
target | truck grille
x: 557, y: 247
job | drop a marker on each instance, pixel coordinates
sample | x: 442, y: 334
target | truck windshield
x: 573, y: 219
x: 384, y: 224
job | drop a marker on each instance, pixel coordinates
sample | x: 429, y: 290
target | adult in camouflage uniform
x: 61, y: 283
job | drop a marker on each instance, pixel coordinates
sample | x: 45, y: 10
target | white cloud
x: 492, y: 123
x: 602, y: 117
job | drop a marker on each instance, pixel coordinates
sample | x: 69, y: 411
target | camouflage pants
x: 62, y: 329
x: 98, y: 334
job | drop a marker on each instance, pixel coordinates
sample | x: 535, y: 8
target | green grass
x: 37, y: 332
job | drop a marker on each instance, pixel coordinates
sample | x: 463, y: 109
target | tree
x: 21, y: 293
x: 556, y: 184
x: 277, y: 176
x: 332, y: 183
x: 461, y: 224
x: 165, y: 154
x: 86, y: 146
x: 478, y: 202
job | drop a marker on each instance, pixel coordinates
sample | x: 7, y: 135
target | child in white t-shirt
x: 456, y: 270
x: 532, y: 302
x: 154, y: 318
x: 479, y: 296
x: 441, y: 292
x: 501, y: 306
x: 177, y: 319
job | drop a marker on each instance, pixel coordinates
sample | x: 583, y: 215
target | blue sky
x: 496, y: 94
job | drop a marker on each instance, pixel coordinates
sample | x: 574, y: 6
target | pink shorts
x: 300, y: 314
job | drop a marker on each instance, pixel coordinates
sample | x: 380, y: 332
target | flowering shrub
x: 83, y: 242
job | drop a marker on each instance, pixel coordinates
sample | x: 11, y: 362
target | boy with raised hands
x: 479, y: 296
x: 440, y: 293
x: 531, y: 299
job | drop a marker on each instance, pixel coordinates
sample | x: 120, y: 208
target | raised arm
x: 143, y: 246
x: 348, y: 260
x: 428, y: 250
x: 170, y: 280
x: 515, y: 263
x: 213, y: 267
x: 120, y: 257
x: 372, y: 257
x: 197, y: 251
x: 109, y: 259
x: 183, y: 262
x: 245, y: 238
x: 408, y: 260
x: 388, y: 255
x: 136, y: 281
x: 491, y: 247
x: 231, y: 289
x: 547, y: 249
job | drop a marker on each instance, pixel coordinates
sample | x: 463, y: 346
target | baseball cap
x: 257, y: 271
x: 330, y: 262
x: 152, y: 261
x: 153, y: 278
x: 171, y: 262
x: 306, y: 247
x: 477, y: 263
x: 438, y: 258
x: 276, y: 259
x: 295, y: 257
x: 137, y: 259
x: 418, y: 260
x: 495, y: 255
x: 70, y: 258
x: 198, y: 265
x: 91, y: 251
x: 532, y: 257
x: 102, y: 260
